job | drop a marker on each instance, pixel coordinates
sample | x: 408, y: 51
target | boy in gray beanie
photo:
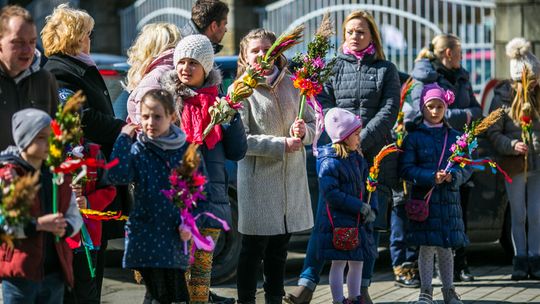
x: 38, y: 266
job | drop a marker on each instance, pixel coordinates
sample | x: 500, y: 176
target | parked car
x: 487, y: 215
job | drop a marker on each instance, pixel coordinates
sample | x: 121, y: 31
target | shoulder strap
x: 428, y: 195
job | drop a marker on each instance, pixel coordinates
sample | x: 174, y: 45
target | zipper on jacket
x: 358, y: 65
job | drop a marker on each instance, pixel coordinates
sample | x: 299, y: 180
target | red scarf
x: 195, y: 117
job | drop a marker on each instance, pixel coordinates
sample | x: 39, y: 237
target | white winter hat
x: 196, y: 47
x: 518, y: 49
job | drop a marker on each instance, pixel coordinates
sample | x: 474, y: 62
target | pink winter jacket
x: 158, y: 67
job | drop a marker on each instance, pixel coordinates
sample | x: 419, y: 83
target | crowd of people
x: 172, y: 82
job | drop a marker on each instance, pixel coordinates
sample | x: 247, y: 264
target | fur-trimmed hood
x: 170, y: 82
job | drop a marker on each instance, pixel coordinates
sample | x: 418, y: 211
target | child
x: 195, y: 86
x: 342, y: 174
x: 422, y: 163
x: 273, y: 193
x: 154, y: 240
x: 36, y: 270
x: 94, y: 193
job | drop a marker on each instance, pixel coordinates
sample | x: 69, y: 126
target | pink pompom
x: 449, y: 97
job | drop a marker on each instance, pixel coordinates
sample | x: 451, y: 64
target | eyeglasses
x: 91, y: 35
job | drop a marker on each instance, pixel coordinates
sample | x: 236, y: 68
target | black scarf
x: 450, y: 74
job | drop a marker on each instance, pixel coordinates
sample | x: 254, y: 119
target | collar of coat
x: 350, y: 58
x: 79, y: 66
x: 170, y: 82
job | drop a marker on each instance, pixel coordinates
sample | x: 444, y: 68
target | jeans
x: 311, y: 272
x: 399, y: 251
x: 21, y: 291
x: 272, y: 251
x: 384, y: 195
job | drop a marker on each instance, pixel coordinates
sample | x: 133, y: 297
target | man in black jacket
x: 22, y: 83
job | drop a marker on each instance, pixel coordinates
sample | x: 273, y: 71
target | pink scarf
x: 369, y: 50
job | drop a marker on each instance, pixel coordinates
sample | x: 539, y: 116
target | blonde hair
x: 342, y: 150
x: 438, y: 46
x: 252, y: 35
x: 373, y: 29
x: 64, y: 29
x: 153, y: 39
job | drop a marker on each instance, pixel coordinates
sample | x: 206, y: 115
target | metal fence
x: 134, y: 17
x: 406, y: 27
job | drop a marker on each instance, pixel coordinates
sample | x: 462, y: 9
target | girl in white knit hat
x: 194, y: 84
x: 510, y: 141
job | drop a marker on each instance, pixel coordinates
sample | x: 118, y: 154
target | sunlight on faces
x: 257, y: 48
x: 455, y: 56
x: 434, y: 111
x: 155, y: 121
x: 353, y: 141
x: 39, y: 147
x: 218, y: 30
x: 190, y: 72
x: 17, y: 46
x: 357, y: 34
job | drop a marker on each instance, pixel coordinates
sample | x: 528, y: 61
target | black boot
x: 534, y: 267
x: 273, y: 299
x: 214, y: 298
x: 520, y: 268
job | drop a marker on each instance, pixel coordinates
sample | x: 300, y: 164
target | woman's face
x: 433, y: 111
x: 86, y: 41
x: 257, y: 48
x: 453, y: 58
x: 357, y: 34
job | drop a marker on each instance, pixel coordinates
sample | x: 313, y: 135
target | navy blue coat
x: 341, y: 180
x: 424, y: 72
x: 233, y: 146
x: 152, y: 237
x: 418, y: 164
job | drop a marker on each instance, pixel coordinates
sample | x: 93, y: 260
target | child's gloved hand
x: 371, y: 216
x: 365, y: 209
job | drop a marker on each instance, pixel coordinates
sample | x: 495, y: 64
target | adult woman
x: 440, y: 62
x: 366, y: 84
x: 150, y: 56
x: 506, y: 136
x: 66, y: 41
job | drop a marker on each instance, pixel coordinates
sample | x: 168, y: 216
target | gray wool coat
x: 273, y: 193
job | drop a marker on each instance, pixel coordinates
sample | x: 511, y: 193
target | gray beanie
x: 196, y: 47
x: 26, y: 124
x: 518, y: 49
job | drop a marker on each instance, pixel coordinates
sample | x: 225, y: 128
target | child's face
x: 257, y: 48
x: 353, y: 141
x: 39, y: 147
x: 154, y: 120
x: 434, y: 111
x: 190, y: 72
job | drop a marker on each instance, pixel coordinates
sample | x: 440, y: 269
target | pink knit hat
x: 434, y: 91
x: 340, y: 124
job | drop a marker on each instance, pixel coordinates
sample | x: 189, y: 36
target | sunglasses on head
x: 91, y: 35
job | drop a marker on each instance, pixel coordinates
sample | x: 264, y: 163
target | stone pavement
x: 492, y: 285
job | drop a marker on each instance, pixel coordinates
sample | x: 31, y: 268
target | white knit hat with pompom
x: 519, y: 51
x: 196, y: 47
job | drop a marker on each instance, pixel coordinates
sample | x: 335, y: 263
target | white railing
x: 406, y: 26
x: 134, y: 17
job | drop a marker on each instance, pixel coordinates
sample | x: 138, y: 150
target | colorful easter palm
x: 372, y: 180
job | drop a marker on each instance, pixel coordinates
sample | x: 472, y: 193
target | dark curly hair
x: 204, y: 12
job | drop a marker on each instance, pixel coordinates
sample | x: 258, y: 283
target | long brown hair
x: 373, y: 29
x: 259, y: 33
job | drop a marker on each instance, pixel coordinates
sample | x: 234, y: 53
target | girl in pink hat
x: 425, y: 153
x: 343, y: 205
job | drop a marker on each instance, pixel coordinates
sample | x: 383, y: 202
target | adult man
x: 208, y: 17
x: 22, y: 83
